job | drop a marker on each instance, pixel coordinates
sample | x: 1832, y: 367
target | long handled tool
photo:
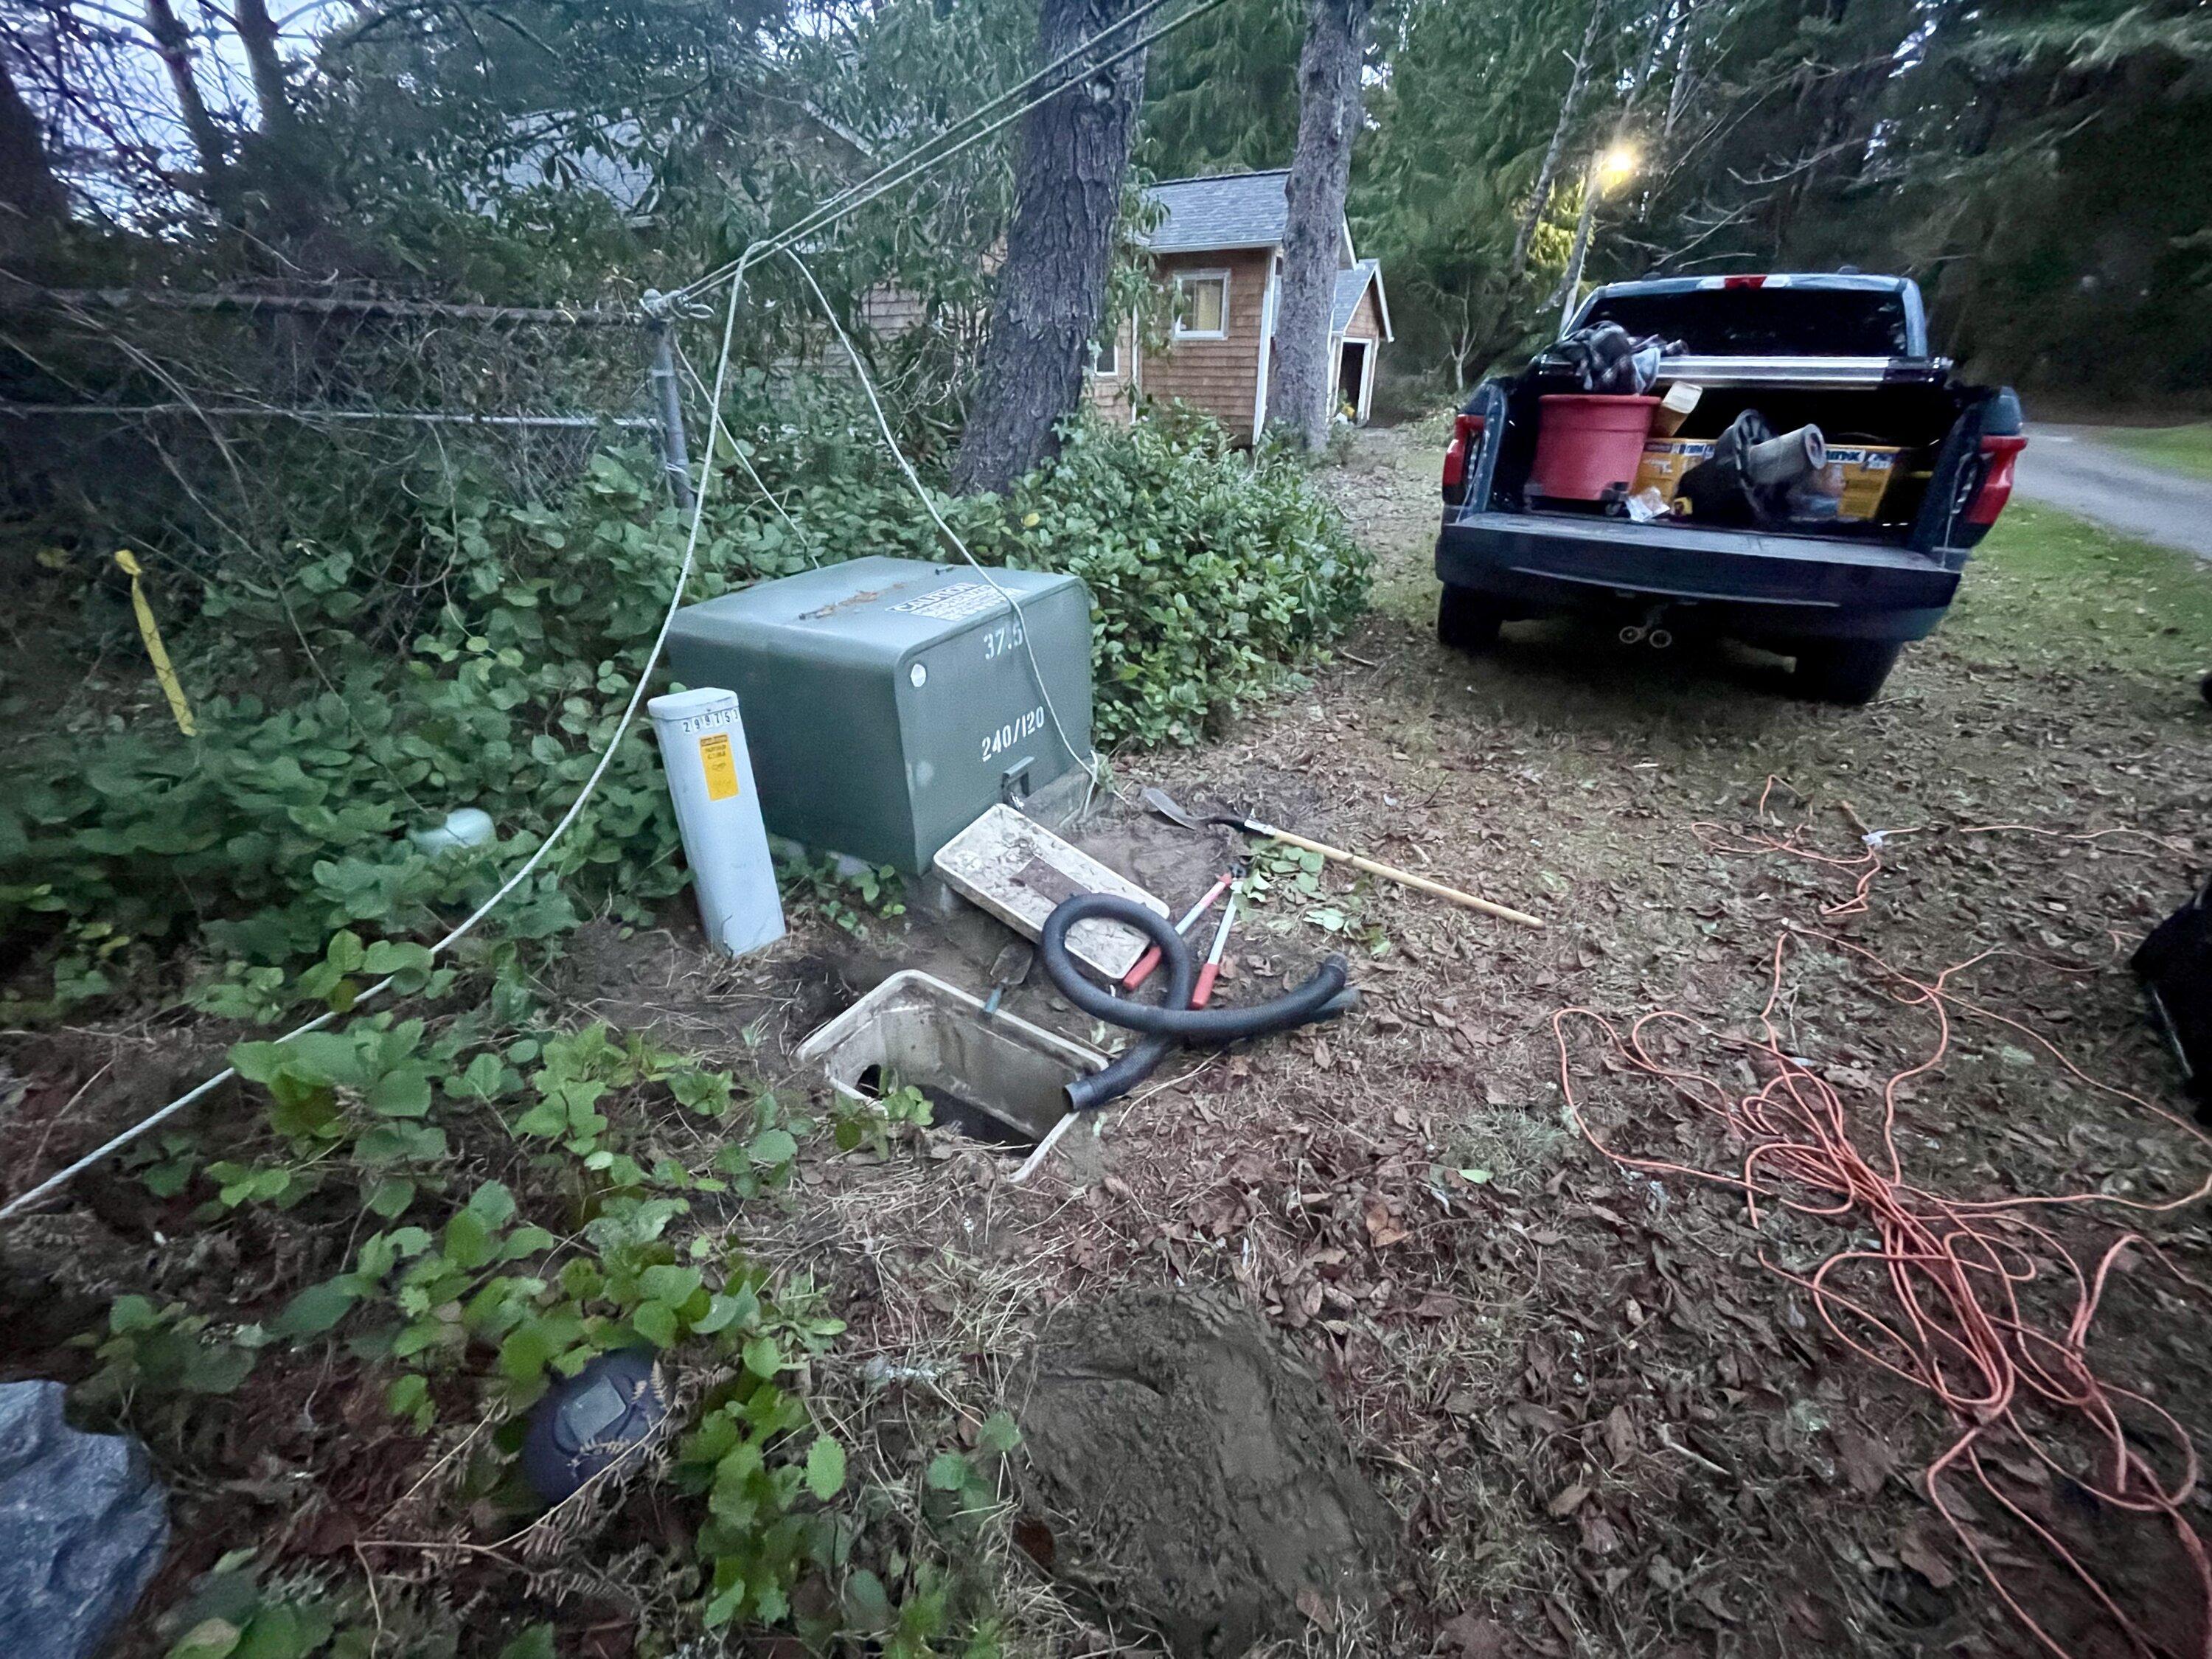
x: 1143, y: 971
x: 1161, y: 802
x: 1203, y: 992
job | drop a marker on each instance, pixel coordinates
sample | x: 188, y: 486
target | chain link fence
x: 188, y: 424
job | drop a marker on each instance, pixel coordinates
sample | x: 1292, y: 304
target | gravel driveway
x: 2067, y: 467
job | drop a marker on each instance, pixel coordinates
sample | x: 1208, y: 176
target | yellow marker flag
x: 155, y: 649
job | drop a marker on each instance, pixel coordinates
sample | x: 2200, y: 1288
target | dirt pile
x: 1193, y: 1473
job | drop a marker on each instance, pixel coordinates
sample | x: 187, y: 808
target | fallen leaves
x: 1316, y: 1610
x: 1567, y: 1501
x: 1382, y: 1228
x: 1919, y: 1549
x: 1473, y: 1637
x: 1620, y: 1434
x: 1867, y: 1463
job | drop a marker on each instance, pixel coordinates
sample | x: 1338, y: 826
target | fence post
x: 676, y: 455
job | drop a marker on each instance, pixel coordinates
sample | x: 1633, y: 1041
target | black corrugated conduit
x: 1163, y: 1026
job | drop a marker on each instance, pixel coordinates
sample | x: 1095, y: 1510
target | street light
x: 1609, y: 170
x: 1615, y: 167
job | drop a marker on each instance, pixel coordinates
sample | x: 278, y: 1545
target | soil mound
x: 1193, y: 1471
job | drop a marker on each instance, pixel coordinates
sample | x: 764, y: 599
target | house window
x: 1201, y: 311
x: 1106, y: 356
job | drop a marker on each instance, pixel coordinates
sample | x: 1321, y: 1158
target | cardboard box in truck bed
x: 1863, y: 471
x: 1866, y: 468
x: 1665, y: 460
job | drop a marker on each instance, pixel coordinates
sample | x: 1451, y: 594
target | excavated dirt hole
x: 1189, y: 1474
x: 994, y: 1078
x: 949, y: 1111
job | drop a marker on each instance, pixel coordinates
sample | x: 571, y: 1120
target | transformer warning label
x: 719, y: 765
x: 955, y: 603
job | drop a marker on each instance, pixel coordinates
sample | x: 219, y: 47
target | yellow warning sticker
x: 721, y: 766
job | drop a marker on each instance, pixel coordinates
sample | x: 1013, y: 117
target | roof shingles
x: 1229, y: 210
x: 1350, y: 285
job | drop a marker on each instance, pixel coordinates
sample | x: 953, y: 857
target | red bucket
x: 1588, y: 443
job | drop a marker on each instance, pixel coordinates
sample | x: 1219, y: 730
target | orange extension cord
x: 1955, y: 1324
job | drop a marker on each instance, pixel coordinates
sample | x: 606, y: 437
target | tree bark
x: 1678, y: 85
x: 1075, y: 153
x: 257, y: 33
x: 174, y: 43
x: 32, y: 198
x: 1321, y: 172
x: 1539, y: 197
x: 283, y: 166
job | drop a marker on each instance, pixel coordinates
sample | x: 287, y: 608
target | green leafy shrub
x: 451, y: 648
x: 154, y: 1354
x: 1211, y: 571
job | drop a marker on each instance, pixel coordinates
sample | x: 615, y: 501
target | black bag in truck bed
x: 1757, y: 583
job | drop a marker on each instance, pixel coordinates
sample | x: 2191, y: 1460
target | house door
x: 1353, y: 360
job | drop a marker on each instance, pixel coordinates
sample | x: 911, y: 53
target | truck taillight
x: 1998, y: 455
x: 1465, y: 440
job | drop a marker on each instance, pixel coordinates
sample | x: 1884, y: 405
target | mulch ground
x: 1606, y: 1420
x: 1606, y: 1417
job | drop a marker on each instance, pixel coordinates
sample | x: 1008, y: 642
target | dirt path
x: 1605, y: 1426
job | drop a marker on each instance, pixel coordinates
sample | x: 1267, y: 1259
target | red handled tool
x: 1143, y: 971
x: 1212, y: 971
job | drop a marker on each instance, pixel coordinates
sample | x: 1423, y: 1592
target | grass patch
x: 2046, y: 585
x: 2184, y: 448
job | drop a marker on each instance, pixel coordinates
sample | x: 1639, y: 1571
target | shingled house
x: 1219, y: 245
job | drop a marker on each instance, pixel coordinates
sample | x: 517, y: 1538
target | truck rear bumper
x: 1747, y: 584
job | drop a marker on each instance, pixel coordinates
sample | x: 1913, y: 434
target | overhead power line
x: 898, y: 172
x: 925, y: 157
x: 16, y: 298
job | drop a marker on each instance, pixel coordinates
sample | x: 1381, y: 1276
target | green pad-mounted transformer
x: 889, y: 703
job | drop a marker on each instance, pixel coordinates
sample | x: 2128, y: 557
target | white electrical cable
x: 529, y: 865
x: 907, y: 168
x: 1089, y: 762
x: 737, y: 451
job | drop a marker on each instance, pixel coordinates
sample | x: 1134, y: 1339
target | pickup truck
x: 1847, y: 352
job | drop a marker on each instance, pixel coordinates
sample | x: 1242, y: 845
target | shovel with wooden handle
x: 1164, y: 804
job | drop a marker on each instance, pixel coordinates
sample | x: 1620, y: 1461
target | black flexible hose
x: 1141, y: 1058
x: 1323, y: 996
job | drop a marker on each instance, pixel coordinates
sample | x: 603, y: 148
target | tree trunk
x: 1571, y: 280
x: 174, y: 44
x: 1321, y: 172
x: 32, y: 198
x: 1540, y: 197
x: 257, y: 33
x: 1075, y: 153
x: 1661, y: 21
x: 1678, y: 86
x: 283, y: 167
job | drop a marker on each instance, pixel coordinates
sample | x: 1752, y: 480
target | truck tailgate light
x: 1995, y: 489
x: 1466, y: 439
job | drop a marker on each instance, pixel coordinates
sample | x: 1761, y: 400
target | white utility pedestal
x: 710, y: 777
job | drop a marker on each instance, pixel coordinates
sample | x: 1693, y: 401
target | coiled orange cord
x: 1954, y: 1320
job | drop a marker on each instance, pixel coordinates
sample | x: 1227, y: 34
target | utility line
x: 981, y: 112
x: 116, y: 1143
x: 1090, y: 762
x: 876, y: 184
x: 734, y: 274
